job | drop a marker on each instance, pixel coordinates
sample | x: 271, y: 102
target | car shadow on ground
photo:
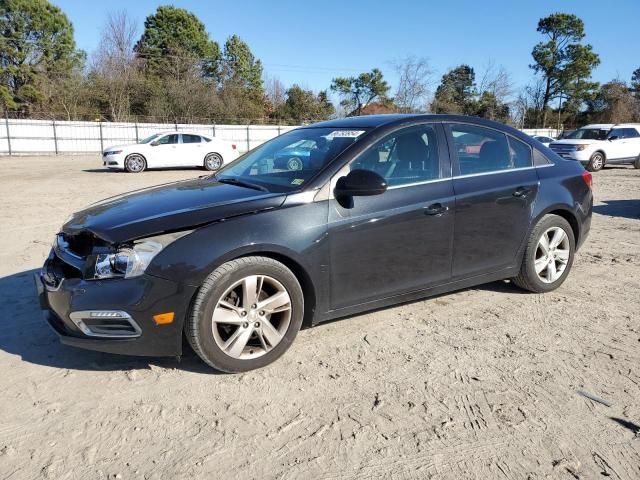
x: 24, y: 332
x: 619, y: 208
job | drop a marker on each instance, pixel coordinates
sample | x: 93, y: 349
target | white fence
x: 543, y: 132
x: 53, y: 136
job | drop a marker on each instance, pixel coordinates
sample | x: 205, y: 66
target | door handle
x: 521, y: 192
x: 435, y: 209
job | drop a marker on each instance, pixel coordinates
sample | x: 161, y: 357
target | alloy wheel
x: 597, y: 162
x: 135, y: 163
x: 251, y: 317
x: 213, y: 161
x: 552, y: 254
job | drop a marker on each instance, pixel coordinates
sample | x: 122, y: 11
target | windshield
x: 288, y: 161
x: 150, y: 139
x: 589, y: 134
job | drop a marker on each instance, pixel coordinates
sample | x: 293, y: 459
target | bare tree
x: 529, y: 104
x: 496, y: 80
x: 115, y: 68
x: 415, y: 79
x: 275, y: 92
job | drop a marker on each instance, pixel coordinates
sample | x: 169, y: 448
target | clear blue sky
x: 310, y: 42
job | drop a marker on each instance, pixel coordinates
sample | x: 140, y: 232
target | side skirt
x: 416, y: 295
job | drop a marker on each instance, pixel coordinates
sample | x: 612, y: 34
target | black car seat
x: 494, y: 155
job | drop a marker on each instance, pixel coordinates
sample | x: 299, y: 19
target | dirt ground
x: 489, y: 382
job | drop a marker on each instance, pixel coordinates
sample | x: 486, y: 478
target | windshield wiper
x: 242, y: 183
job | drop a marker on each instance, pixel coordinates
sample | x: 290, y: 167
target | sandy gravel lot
x: 483, y: 383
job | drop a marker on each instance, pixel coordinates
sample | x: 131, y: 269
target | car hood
x: 169, y: 207
x: 569, y: 141
x: 123, y: 147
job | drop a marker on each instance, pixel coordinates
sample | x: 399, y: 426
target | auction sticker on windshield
x: 345, y: 134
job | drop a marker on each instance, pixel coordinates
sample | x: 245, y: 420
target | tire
x: 596, y: 162
x: 135, y: 163
x: 213, y: 162
x: 636, y: 164
x: 535, y: 259
x: 242, y: 341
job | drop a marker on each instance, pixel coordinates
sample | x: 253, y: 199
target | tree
x: 495, y: 89
x: 635, y: 81
x: 456, y: 92
x: 303, y: 105
x: 36, y: 44
x: 614, y: 103
x: 414, y: 78
x: 115, y: 72
x: 174, y: 37
x: 358, y: 92
x: 241, y: 67
x: 528, y: 105
x: 562, y: 60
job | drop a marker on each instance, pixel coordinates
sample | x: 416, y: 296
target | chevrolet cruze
x: 385, y: 209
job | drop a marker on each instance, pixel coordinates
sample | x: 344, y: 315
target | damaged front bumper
x: 113, y: 315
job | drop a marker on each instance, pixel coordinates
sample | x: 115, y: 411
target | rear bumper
x: 141, y: 298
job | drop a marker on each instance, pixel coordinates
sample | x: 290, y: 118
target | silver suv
x: 600, y: 144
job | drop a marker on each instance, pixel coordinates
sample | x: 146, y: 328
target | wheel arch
x: 137, y: 153
x: 564, y: 212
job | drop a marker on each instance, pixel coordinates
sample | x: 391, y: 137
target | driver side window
x: 405, y: 157
x: 168, y: 139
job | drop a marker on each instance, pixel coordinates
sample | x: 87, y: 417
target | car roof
x: 375, y: 121
x: 182, y: 131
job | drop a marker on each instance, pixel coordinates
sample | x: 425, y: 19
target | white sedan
x: 171, y: 149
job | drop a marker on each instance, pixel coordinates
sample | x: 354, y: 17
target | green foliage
x: 36, y: 45
x: 635, y: 81
x: 303, y: 105
x: 358, y: 92
x: 456, y: 92
x: 241, y: 67
x: 174, y: 37
x: 563, y: 61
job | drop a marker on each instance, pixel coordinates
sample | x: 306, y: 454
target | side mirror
x: 154, y: 143
x: 360, y: 183
x: 613, y: 137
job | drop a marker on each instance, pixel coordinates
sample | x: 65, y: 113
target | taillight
x: 233, y: 145
x: 586, y: 176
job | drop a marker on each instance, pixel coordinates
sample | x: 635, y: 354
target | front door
x: 165, y: 151
x: 495, y: 186
x: 399, y: 241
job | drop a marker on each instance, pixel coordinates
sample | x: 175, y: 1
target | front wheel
x: 135, y: 163
x: 548, y: 256
x: 636, y: 164
x: 212, y: 162
x: 246, y: 314
x: 596, y: 162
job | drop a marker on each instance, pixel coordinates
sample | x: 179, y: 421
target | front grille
x: 562, y: 149
x: 106, y: 324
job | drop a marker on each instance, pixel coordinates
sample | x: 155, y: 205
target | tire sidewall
x: 126, y: 163
x: 203, y: 313
x: 213, y: 154
x: 590, y: 165
x: 530, y: 254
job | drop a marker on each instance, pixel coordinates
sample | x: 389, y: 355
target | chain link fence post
x: 135, y: 124
x: 101, y: 139
x: 55, y: 136
x: 213, y: 130
x: 248, y: 138
x: 6, y: 124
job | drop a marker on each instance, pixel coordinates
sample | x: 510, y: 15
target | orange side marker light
x: 164, y: 318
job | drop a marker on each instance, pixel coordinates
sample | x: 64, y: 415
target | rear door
x: 495, y: 187
x: 191, y: 150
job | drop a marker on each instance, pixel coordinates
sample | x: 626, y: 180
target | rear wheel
x: 548, y: 256
x: 636, y: 164
x: 213, y: 162
x: 596, y: 162
x: 135, y: 163
x: 246, y: 314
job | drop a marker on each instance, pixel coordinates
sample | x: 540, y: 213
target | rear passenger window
x: 631, y: 133
x: 520, y: 153
x: 188, y: 138
x: 484, y: 150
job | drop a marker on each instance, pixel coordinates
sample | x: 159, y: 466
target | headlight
x: 580, y: 148
x: 113, y: 152
x: 132, y: 261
